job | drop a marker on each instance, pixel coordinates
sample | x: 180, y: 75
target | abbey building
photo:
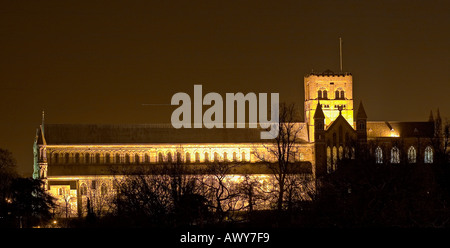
x: 80, y: 161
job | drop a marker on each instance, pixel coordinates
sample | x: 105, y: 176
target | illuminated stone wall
x: 78, y: 172
x: 330, y: 103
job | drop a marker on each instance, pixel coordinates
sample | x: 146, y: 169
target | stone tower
x: 335, y: 91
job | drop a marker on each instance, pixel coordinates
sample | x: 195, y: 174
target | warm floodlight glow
x: 394, y: 134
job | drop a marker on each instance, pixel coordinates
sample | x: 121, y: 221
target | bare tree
x: 221, y: 192
x: 7, y: 175
x: 157, y: 191
x: 283, y: 149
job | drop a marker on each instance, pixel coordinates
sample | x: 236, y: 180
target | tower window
x: 325, y: 94
x: 361, y: 125
x: 319, y: 94
x: 339, y: 94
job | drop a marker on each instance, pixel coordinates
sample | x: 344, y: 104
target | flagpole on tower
x: 340, y: 52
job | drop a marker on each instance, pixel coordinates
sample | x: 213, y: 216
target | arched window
x: 378, y: 155
x: 117, y: 160
x: 361, y: 125
x: 206, y: 157
x: 103, y: 189
x: 225, y: 157
x: 353, y: 153
x: 234, y: 156
x: 188, y: 157
x: 197, y: 157
x: 319, y: 94
x: 329, y: 159
x: 341, y: 152
x: 325, y: 94
x: 334, y: 153
x: 395, y: 155
x: 61, y: 191
x: 347, y: 152
x: 107, y: 158
x: 179, y: 160
x: 66, y: 158
x: 147, y: 158
x: 136, y: 158
x: 83, y: 189
x: 160, y: 157
x: 97, y: 158
x: 77, y: 158
x: 56, y: 158
x: 337, y: 95
x: 87, y: 158
x: 127, y: 158
x: 216, y: 157
x: 428, y: 159
x: 412, y: 155
x: 169, y: 157
x: 243, y: 157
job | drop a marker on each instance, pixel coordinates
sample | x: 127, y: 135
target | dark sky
x: 99, y: 61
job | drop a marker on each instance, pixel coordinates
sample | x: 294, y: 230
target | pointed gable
x: 337, y: 121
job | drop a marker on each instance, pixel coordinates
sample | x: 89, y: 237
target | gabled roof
x: 340, y: 119
x: 63, y: 134
x: 399, y: 129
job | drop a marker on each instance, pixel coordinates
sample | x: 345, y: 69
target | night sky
x: 100, y: 61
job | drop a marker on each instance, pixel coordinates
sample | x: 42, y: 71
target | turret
x: 361, y: 131
x: 361, y: 123
x: 319, y: 143
x: 319, y: 124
